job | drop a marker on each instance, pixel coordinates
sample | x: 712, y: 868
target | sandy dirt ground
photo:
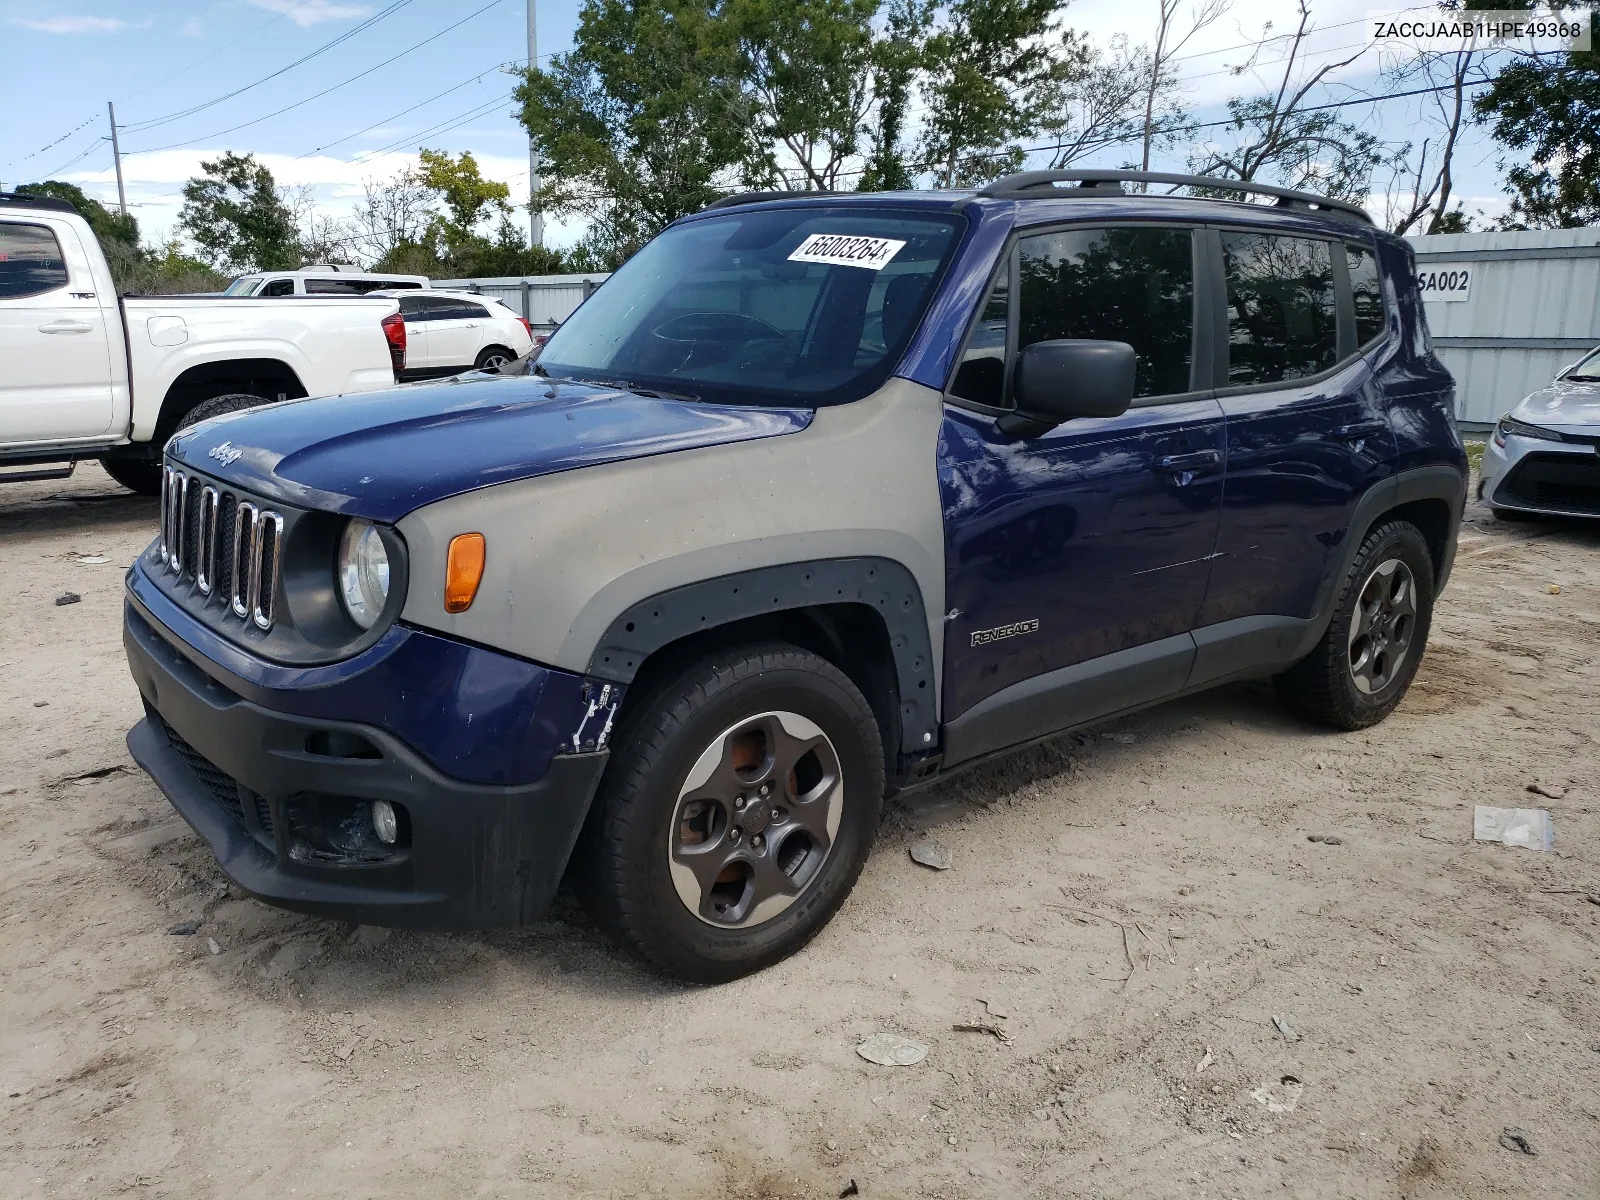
x: 1139, y: 902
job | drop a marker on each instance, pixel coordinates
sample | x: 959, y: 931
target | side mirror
x: 1059, y: 380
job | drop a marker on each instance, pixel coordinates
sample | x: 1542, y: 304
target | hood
x: 381, y: 455
x: 1565, y: 405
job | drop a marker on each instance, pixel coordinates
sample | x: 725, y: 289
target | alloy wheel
x: 1382, y: 626
x: 755, y: 820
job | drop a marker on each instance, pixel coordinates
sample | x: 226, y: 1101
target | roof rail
x: 31, y: 201
x: 1041, y: 184
x: 738, y: 198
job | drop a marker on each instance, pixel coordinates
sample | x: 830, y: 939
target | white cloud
x: 305, y: 13
x: 72, y: 24
x: 192, y: 29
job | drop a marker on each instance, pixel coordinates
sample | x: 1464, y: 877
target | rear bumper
x: 284, y: 801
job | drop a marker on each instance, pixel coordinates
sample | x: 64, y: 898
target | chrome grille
x: 230, y: 546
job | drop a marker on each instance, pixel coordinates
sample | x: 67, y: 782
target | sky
x: 191, y: 80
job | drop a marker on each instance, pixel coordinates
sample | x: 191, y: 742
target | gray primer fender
x: 569, y: 553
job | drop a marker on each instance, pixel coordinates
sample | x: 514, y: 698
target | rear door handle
x: 65, y: 325
x: 1199, y: 460
x: 1360, y: 431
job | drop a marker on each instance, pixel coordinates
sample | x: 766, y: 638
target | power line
x: 325, y: 91
x: 412, y: 109
x: 444, y: 126
x: 140, y: 126
x: 221, y: 49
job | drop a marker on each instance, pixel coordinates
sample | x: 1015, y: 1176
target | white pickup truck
x: 86, y: 374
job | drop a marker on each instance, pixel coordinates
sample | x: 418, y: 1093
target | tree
x: 1100, y: 101
x: 642, y: 122
x: 108, y: 226
x: 808, y: 66
x: 393, y: 213
x: 235, y: 216
x: 993, y: 70
x: 1547, y: 106
x: 323, y: 238
x: 468, y: 198
x: 1278, y: 137
x: 1159, y: 80
x: 897, y: 59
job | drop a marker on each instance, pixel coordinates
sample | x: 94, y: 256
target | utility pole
x: 535, y: 220
x: 116, y: 157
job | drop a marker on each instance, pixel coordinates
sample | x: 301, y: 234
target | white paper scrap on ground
x: 1524, y: 828
x: 847, y: 250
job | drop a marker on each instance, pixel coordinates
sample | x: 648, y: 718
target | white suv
x: 321, y: 280
x: 450, y: 332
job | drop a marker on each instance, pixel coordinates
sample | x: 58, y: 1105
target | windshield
x: 1587, y: 371
x: 794, y: 305
x: 245, y: 286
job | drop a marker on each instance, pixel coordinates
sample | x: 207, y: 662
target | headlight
x: 1509, y: 427
x: 363, y: 572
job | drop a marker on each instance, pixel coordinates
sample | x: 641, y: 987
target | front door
x: 1089, y: 545
x: 55, y: 347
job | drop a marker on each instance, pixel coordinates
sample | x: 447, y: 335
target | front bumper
x: 1537, y: 476
x: 284, y: 802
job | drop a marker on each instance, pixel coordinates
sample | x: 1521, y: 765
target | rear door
x: 1087, y: 547
x: 455, y: 333
x: 416, y: 311
x: 55, y: 337
x: 1308, y: 433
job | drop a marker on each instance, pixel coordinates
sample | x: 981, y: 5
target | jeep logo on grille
x: 225, y: 454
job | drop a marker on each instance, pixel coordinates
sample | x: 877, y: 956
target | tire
x: 1354, y: 679
x: 219, y: 406
x: 492, y: 358
x: 142, y: 475
x: 636, y: 864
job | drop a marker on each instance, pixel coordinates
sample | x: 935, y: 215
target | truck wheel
x: 142, y: 475
x: 737, y: 811
x: 1371, y: 649
x: 219, y: 406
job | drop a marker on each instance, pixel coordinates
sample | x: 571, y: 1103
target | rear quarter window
x: 31, y: 262
x: 1366, y: 291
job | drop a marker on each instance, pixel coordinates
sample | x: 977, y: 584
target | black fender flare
x: 882, y: 584
x: 1441, y: 481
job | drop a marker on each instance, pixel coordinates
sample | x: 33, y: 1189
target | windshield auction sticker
x: 843, y: 250
x: 1427, y: 29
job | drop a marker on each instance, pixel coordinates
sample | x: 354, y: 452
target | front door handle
x: 1359, y: 431
x: 65, y: 325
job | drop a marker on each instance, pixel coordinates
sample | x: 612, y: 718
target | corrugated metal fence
x: 546, y: 300
x: 1531, y: 306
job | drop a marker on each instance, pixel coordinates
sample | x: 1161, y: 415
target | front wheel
x: 142, y: 475
x: 737, y: 811
x: 1370, y: 651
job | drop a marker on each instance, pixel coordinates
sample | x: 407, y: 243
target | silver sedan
x: 1544, y: 457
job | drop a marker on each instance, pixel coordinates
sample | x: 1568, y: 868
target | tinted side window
x: 981, y: 377
x: 279, y: 287
x: 410, y: 306
x: 1282, y: 320
x: 338, y: 287
x: 31, y: 262
x: 1120, y: 285
x: 1367, y: 292
x: 475, y: 311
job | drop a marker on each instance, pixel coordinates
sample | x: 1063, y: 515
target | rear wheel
x: 737, y: 811
x: 1370, y: 651
x: 493, y: 358
x: 219, y: 406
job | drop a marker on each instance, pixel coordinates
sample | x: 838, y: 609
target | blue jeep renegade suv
x: 817, y: 498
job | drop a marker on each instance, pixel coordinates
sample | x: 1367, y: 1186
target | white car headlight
x: 363, y: 572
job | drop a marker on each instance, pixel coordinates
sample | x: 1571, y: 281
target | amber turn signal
x: 463, y: 571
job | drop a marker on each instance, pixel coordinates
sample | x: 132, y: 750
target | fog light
x: 384, y: 823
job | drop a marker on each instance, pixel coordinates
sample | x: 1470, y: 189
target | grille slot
x: 216, y: 781
x: 229, y: 545
x: 1566, y: 482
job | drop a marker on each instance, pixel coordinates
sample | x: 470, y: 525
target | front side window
x: 1366, y: 290
x: 279, y: 287
x: 31, y: 262
x: 981, y: 376
x: 806, y: 305
x: 1283, y: 323
x: 1122, y: 285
